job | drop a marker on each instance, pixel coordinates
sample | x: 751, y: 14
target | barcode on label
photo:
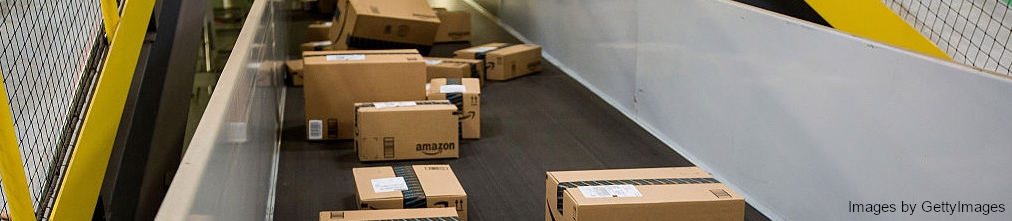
x: 315, y: 129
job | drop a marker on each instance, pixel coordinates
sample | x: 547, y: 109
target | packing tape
x: 414, y: 197
x: 638, y: 182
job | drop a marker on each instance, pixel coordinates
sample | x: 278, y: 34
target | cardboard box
x: 294, y: 67
x: 319, y: 46
x: 466, y: 95
x: 454, y: 68
x: 406, y: 130
x: 391, y: 214
x: 319, y: 31
x: 674, y: 193
x: 454, y: 26
x: 335, y: 80
x: 504, y: 61
x: 478, y: 52
x: 415, y: 186
x: 386, y: 24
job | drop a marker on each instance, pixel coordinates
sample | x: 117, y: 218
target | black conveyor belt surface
x: 537, y: 123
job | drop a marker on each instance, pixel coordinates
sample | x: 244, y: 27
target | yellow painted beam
x: 110, y: 16
x: 86, y: 170
x: 872, y: 19
x: 11, y: 171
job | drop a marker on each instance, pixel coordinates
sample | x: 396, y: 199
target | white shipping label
x: 452, y: 89
x: 346, y: 57
x: 607, y: 191
x: 427, y: 86
x: 433, y: 62
x: 481, y: 49
x: 383, y: 185
x: 394, y: 104
x: 322, y: 43
x: 315, y: 129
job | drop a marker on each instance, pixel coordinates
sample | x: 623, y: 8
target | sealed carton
x: 465, y: 93
x: 679, y: 193
x: 448, y: 214
x: 406, y: 130
x: 504, y: 62
x: 455, y: 68
x: 335, y: 80
x: 319, y: 31
x: 454, y: 26
x: 386, y: 24
x: 294, y: 71
x: 412, y: 186
x: 478, y: 52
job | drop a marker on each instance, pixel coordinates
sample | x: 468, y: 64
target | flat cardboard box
x: 698, y: 197
x: 512, y: 62
x: 379, y: 188
x: 478, y: 52
x: 294, y: 71
x: 454, y: 26
x: 319, y: 31
x: 465, y: 93
x: 386, y: 24
x: 406, y: 130
x: 335, y: 80
x: 451, y: 68
x: 389, y: 214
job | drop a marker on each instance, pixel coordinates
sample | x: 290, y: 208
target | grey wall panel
x: 228, y: 171
x: 799, y: 118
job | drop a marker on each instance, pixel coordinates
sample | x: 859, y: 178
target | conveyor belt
x: 530, y: 125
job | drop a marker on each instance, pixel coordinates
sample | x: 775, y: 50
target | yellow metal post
x: 86, y: 170
x: 872, y: 19
x: 11, y: 171
x: 110, y: 16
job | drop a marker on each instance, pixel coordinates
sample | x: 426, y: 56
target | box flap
x: 363, y: 182
x: 345, y: 52
x: 438, y: 180
x: 514, y: 49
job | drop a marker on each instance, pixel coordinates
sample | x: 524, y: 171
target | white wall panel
x: 595, y: 38
x: 799, y: 118
x: 229, y: 169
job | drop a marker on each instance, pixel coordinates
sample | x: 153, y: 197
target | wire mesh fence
x: 973, y: 32
x: 47, y: 47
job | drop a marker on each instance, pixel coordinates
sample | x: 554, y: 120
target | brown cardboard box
x: 386, y: 24
x: 335, y: 80
x: 454, y: 26
x: 478, y: 52
x: 513, y: 61
x: 451, y: 68
x: 416, y: 186
x: 674, y: 193
x: 319, y: 46
x: 390, y: 214
x: 319, y: 31
x: 466, y: 95
x: 406, y: 130
x: 504, y: 61
x: 294, y: 71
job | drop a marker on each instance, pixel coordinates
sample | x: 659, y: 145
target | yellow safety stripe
x: 110, y: 16
x: 86, y: 170
x: 872, y: 19
x: 11, y: 171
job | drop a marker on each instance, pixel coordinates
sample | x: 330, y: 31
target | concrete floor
x: 542, y: 122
